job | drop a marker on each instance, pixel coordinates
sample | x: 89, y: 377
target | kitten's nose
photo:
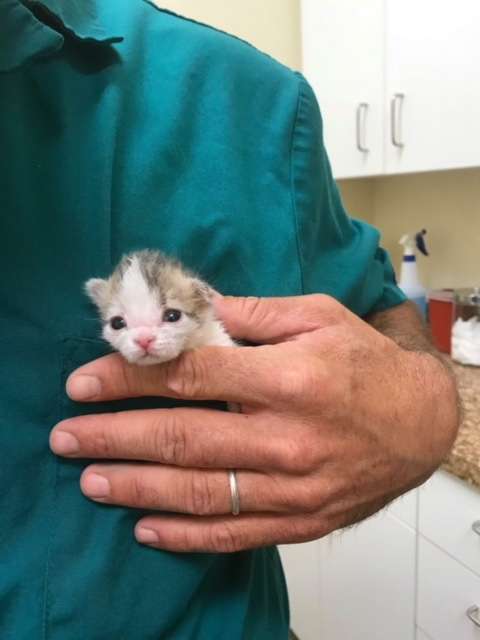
x: 144, y: 341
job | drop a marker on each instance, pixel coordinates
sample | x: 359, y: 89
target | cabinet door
x: 448, y: 509
x: 433, y: 61
x: 357, y: 584
x: 446, y: 590
x: 405, y: 508
x: 421, y: 635
x: 367, y: 578
x: 301, y: 563
x: 343, y: 54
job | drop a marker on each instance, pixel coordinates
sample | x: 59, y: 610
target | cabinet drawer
x: 448, y: 508
x: 446, y: 589
x: 301, y: 563
x: 405, y: 508
x: 367, y: 578
x: 421, y: 635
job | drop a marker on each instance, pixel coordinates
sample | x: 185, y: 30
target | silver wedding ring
x: 235, y: 494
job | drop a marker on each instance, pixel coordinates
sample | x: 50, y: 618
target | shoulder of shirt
x: 236, y: 50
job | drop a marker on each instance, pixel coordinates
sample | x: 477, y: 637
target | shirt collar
x: 24, y: 36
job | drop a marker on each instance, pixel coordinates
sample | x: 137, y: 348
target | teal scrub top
x: 123, y: 126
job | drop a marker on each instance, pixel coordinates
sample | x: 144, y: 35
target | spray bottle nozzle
x: 409, y: 280
x: 420, y: 241
x: 413, y: 241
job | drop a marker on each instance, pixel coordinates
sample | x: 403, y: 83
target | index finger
x: 231, y: 374
x: 186, y: 437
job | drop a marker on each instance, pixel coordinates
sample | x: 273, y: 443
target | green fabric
x: 177, y: 137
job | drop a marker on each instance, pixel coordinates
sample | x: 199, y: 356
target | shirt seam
x: 217, y: 30
x: 293, y: 194
x: 47, y: 596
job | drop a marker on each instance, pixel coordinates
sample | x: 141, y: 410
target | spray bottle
x: 409, y: 280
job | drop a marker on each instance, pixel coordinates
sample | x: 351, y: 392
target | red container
x: 441, y: 313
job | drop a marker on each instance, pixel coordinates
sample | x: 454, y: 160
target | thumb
x: 272, y: 320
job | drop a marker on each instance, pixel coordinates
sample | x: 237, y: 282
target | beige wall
x: 358, y: 198
x: 447, y: 203
x: 271, y: 25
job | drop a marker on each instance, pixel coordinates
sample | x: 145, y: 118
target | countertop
x: 464, y: 459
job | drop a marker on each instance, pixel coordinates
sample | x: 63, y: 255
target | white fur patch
x: 141, y: 304
x: 143, y: 313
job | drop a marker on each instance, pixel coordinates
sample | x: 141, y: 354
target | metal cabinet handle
x: 473, y: 614
x: 396, y: 105
x: 476, y: 527
x: 362, y: 127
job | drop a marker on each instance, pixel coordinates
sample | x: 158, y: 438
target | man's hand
x: 337, y: 420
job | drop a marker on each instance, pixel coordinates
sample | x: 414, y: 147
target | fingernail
x: 83, y: 387
x: 95, y: 486
x: 146, y: 536
x: 64, y: 443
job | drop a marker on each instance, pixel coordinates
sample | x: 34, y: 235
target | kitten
x: 153, y: 309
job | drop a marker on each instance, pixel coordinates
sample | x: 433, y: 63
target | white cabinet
x: 343, y: 59
x: 421, y: 635
x: 448, y: 509
x: 367, y: 575
x: 415, y: 564
x: 446, y: 590
x: 448, y: 559
x: 416, y: 65
x: 433, y: 60
x: 357, y: 584
x: 405, y: 508
x: 301, y: 563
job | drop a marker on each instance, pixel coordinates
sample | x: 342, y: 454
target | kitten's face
x: 149, y: 319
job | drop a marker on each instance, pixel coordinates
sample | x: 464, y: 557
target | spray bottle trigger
x: 420, y: 242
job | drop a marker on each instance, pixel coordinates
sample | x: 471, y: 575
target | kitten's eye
x: 118, y: 323
x: 172, y: 315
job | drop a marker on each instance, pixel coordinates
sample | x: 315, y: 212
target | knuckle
x: 253, y: 308
x: 305, y: 529
x: 186, y: 375
x: 200, y: 497
x: 128, y: 378
x: 102, y: 441
x: 326, y: 302
x: 339, y: 338
x: 223, y: 538
x: 296, y: 456
x: 186, y: 539
x: 139, y: 493
x: 100, y: 445
x: 143, y: 493
x: 290, y: 383
x: 301, y: 382
x: 308, y: 499
x: 284, y: 495
x: 328, y: 308
x: 169, y: 439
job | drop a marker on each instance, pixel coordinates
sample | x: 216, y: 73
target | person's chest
x: 93, y: 167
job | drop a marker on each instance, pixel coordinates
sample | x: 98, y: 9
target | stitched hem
x: 292, y: 187
x: 216, y: 29
x: 53, y: 511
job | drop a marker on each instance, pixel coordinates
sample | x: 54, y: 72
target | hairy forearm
x: 405, y: 326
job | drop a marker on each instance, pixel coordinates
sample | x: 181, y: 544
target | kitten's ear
x: 97, y: 291
x: 202, y: 291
